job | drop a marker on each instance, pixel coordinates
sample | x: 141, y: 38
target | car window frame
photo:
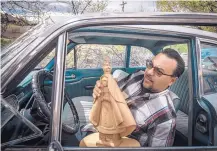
x: 192, y: 48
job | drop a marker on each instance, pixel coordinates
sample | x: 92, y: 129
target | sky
x: 132, y: 6
x: 113, y: 6
x: 58, y: 10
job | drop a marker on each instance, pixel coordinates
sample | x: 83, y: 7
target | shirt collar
x: 154, y: 95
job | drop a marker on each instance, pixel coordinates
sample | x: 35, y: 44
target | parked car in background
x: 48, y: 76
x: 210, y: 63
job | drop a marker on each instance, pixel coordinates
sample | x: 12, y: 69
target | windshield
x: 15, y: 49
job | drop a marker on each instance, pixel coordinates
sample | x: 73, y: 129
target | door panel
x: 73, y: 75
x: 206, y: 120
x: 82, y: 81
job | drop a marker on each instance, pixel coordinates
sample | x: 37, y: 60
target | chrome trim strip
x: 200, y: 71
x: 58, y: 88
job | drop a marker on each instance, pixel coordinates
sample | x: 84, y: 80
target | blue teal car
x: 48, y: 75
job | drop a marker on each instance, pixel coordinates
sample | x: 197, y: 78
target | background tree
x: 15, y: 14
x: 190, y: 6
x: 18, y: 12
x: 38, y: 10
x: 86, y: 6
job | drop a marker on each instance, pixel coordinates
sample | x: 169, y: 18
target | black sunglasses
x: 149, y: 65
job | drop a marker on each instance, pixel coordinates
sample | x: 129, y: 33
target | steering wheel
x: 44, y: 105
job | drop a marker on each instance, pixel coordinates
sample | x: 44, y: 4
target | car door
x: 83, y: 66
x: 205, y: 114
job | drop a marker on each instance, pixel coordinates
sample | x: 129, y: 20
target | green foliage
x: 97, y: 6
x: 5, y: 42
x: 181, y: 48
x: 189, y: 6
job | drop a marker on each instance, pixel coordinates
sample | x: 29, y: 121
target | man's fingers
x: 95, y: 92
x: 98, y: 84
x: 94, y: 96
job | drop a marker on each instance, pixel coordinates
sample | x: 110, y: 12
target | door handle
x: 89, y: 87
x: 201, y: 123
x: 72, y: 76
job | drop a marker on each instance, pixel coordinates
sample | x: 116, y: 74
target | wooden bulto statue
x: 111, y: 116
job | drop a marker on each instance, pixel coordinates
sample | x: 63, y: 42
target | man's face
x: 155, y: 82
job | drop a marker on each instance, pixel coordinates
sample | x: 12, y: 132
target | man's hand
x: 96, y: 90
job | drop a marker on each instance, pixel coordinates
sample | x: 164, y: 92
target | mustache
x: 148, y: 77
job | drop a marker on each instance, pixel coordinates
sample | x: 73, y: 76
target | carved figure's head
x: 106, y: 66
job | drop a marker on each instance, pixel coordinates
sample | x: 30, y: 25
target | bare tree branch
x: 73, y: 7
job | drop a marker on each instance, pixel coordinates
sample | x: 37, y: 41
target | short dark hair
x: 173, y: 54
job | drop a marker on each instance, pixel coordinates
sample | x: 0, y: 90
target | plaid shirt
x: 154, y: 113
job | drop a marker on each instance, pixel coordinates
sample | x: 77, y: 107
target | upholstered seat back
x: 181, y: 89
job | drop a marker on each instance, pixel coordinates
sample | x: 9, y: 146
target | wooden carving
x: 111, y: 116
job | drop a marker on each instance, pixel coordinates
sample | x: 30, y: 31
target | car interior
x: 128, y: 48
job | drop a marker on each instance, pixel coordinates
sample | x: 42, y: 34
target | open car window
x: 90, y: 56
x: 139, y: 55
x: 182, y: 49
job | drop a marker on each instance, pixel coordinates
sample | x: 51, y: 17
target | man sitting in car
x: 152, y: 104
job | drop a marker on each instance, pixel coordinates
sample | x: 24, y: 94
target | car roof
x: 49, y: 26
x: 152, y: 37
x: 180, y: 29
x: 185, y: 18
x: 187, y: 30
